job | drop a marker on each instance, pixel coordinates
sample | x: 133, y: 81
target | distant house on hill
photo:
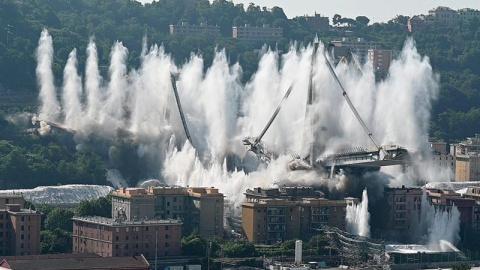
x: 194, y: 30
x: 252, y: 35
x: 317, y: 22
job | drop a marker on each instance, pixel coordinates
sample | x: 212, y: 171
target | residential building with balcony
x: 118, y: 238
x: 19, y: 230
x: 287, y: 193
x: 403, y: 204
x: 274, y: 220
x: 199, y: 209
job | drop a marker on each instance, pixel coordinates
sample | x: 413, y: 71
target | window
x: 22, y: 228
x: 116, y: 246
x: 22, y: 236
x: 116, y: 238
x: 23, y: 218
x: 21, y: 245
x: 166, y: 228
x: 167, y: 244
x: 146, y: 229
x: 117, y: 229
x: 126, y: 238
x: 167, y: 236
x: 127, y: 229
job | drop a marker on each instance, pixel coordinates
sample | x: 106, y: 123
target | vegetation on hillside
x: 57, y: 224
x: 27, y: 161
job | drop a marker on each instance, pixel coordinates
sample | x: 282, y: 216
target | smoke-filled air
x: 138, y: 107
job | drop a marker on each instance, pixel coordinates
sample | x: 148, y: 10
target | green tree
x: 194, y: 245
x: 100, y: 207
x: 239, y: 248
x: 59, y: 218
x: 362, y: 20
x: 56, y: 241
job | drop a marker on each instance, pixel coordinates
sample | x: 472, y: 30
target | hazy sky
x: 375, y: 10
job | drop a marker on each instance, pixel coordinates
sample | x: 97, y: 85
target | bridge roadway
x: 367, y: 158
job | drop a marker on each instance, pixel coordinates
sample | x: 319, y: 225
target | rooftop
x: 73, y: 262
x: 120, y: 222
x: 16, y: 209
x: 166, y: 190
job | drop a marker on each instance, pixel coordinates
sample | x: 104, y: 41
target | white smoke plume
x: 137, y: 107
x: 50, y: 109
x: 434, y: 226
x: 358, y: 217
x: 72, y: 91
x: 92, y: 84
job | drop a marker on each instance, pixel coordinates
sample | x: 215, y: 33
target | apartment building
x: 13, y: 198
x: 317, y: 22
x: 403, y: 204
x: 442, y: 15
x: 467, y: 165
x: 274, y: 220
x: 441, y: 157
x: 118, y: 238
x: 287, y: 193
x: 194, y: 30
x: 19, y: 229
x: 381, y: 60
x: 199, y: 209
x: 445, y: 199
x: 416, y: 23
x: 251, y: 35
x: 358, y: 46
x: 472, y: 193
x: 466, y: 14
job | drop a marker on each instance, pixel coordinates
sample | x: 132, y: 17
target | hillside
x: 454, y: 53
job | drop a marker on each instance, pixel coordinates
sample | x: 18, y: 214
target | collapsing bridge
x: 356, y: 158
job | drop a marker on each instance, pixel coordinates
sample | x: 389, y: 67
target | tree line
x: 454, y: 51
